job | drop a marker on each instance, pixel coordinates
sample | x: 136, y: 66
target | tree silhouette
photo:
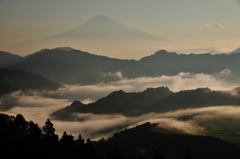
x: 49, y: 131
x: 50, y: 143
x: 28, y: 140
x: 20, y: 124
x: 33, y: 130
x: 66, y: 138
x: 68, y: 145
x: 156, y: 155
x: 116, y: 153
x: 187, y: 155
x: 33, y: 140
x: 80, y: 141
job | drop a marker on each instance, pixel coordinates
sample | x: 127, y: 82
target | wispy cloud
x: 30, y: 99
x: 37, y: 106
x: 181, y: 81
x: 216, y: 26
x: 91, y: 93
x: 96, y: 126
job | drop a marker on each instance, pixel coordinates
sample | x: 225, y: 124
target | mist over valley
x: 92, y: 89
x: 120, y: 79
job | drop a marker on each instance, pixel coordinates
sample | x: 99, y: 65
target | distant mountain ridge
x: 102, y: 27
x: 7, y: 59
x: 14, y: 80
x: 236, y: 50
x: 144, y: 140
x: 101, y: 35
x: 78, y: 67
x: 152, y: 100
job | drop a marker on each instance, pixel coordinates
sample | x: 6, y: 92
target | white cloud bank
x: 37, y: 106
x: 98, y: 126
x: 181, y: 81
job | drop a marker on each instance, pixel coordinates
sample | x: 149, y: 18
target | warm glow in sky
x: 215, y: 23
x: 203, y: 24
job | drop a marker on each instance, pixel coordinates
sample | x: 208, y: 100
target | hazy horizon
x: 196, y: 27
x: 203, y: 25
x: 37, y: 106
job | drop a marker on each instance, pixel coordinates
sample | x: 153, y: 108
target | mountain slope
x: 117, y: 102
x: 103, y: 36
x: 102, y: 27
x: 74, y: 66
x: 8, y: 59
x: 143, y: 140
x: 196, y: 98
x: 151, y: 101
x: 170, y: 63
x: 79, y: 67
x: 13, y: 80
x: 236, y: 51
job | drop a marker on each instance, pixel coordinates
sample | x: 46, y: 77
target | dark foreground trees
x: 27, y: 140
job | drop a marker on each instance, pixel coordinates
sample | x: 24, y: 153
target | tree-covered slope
x: 151, y: 100
x: 13, y: 80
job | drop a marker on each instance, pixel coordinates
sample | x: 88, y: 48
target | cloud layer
x: 37, y: 106
x: 97, y: 126
x: 181, y: 81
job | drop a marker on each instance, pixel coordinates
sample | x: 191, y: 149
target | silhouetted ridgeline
x: 100, y: 34
x: 141, y: 142
x: 78, y: 67
x: 22, y: 139
x: 14, y: 80
x: 27, y: 140
x: 159, y: 99
x: 7, y: 59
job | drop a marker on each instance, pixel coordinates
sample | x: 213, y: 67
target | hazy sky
x: 215, y: 22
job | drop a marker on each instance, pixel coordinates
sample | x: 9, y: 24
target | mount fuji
x: 103, y: 28
x: 103, y: 36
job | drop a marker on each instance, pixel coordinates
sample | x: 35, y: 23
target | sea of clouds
x: 37, y: 106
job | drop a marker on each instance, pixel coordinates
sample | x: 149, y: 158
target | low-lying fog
x: 37, y: 106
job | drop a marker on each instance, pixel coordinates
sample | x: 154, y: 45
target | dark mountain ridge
x: 79, y: 67
x: 101, y: 35
x: 152, y: 100
x: 143, y: 140
x: 14, y: 80
x: 7, y: 59
x: 73, y: 67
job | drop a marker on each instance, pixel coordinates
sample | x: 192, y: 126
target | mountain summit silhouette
x: 103, y: 27
x: 103, y: 36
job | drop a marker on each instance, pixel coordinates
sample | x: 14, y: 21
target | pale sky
x: 215, y: 22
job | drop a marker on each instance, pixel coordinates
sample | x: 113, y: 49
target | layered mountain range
x: 70, y: 66
x: 151, y: 100
x: 142, y: 140
x: 100, y: 35
x: 14, y: 80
